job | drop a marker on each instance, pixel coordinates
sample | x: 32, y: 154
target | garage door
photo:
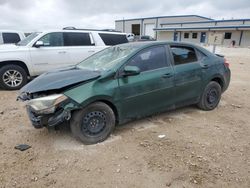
x: 149, y: 30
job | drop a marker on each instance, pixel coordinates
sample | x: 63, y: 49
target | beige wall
x: 229, y: 23
x: 245, y: 42
x: 199, y: 25
x: 119, y: 26
x: 169, y: 35
x: 165, y: 35
x: 235, y: 36
x: 180, y: 19
x: 128, y: 23
x: 149, y: 21
x: 190, y: 39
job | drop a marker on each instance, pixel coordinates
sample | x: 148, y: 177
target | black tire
x: 93, y: 124
x: 12, y: 77
x: 210, y: 97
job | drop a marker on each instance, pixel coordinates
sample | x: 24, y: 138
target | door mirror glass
x: 131, y: 71
x: 39, y: 44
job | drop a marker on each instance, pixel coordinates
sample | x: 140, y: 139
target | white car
x: 10, y: 37
x: 44, y: 51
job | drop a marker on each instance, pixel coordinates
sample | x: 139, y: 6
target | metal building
x: 188, y: 28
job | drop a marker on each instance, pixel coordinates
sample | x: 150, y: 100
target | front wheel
x: 12, y: 77
x: 210, y: 97
x: 93, y: 124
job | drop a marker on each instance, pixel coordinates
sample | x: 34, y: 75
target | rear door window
x: 183, y: 55
x: 10, y: 38
x: 113, y: 39
x: 77, y: 39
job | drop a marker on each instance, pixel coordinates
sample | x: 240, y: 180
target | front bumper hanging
x: 48, y: 120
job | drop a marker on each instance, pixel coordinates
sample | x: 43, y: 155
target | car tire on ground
x: 210, y: 97
x: 12, y: 77
x: 93, y: 124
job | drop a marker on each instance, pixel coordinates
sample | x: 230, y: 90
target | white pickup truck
x: 43, y: 51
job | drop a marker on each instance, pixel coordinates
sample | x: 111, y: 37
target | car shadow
x: 149, y: 122
x: 140, y: 124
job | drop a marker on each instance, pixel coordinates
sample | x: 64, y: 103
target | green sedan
x: 123, y: 83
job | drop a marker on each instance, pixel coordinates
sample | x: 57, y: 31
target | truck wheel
x: 12, y: 77
x: 93, y: 124
x: 210, y: 97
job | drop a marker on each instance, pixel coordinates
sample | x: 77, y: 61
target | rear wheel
x: 12, y: 77
x: 93, y: 124
x: 210, y: 97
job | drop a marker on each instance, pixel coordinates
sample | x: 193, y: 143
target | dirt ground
x: 200, y: 149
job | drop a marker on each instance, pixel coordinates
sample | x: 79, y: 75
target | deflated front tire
x: 93, y: 124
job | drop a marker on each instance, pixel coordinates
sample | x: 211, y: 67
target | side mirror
x: 39, y: 44
x: 131, y: 71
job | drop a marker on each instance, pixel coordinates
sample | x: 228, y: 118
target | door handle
x: 205, y: 66
x: 167, y: 75
x: 62, y: 52
x: 91, y: 51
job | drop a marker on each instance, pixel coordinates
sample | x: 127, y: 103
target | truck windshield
x: 28, y: 39
x: 107, y: 58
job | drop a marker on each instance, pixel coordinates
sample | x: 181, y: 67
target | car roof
x: 10, y: 31
x: 142, y: 45
x: 82, y: 31
x: 152, y: 43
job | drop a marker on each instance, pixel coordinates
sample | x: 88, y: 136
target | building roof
x: 164, y: 17
x: 209, y: 21
x: 236, y: 27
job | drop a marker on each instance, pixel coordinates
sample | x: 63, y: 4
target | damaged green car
x: 123, y: 83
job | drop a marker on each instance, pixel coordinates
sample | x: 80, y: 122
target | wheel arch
x: 113, y: 107
x: 219, y: 80
x: 106, y: 100
x: 18, y: 63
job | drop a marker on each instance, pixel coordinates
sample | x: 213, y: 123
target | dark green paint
x: 141, y: 94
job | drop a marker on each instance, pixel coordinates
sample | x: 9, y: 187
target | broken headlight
x: 46, y: 105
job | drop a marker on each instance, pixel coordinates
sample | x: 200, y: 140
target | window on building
x: 77, y: 39
x: 113, y: 39
x: 186, y: 35
x: 150, y: 59
x: 228, y: 35
x: 10, y: 38
x: 194, y: 35
x: 52, y: 39
x: 183, y: 55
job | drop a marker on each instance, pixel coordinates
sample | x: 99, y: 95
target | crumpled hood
x: 59, y: 79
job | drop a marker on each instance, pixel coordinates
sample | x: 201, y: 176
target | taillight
x: 226, y: 63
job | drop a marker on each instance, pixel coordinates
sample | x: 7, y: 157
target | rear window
x: 77, y: 39
x: 183, y: 55
x: 113, y: 39
x: 10, y: 38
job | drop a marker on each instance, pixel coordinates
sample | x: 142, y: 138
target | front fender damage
x: 62, y: 112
